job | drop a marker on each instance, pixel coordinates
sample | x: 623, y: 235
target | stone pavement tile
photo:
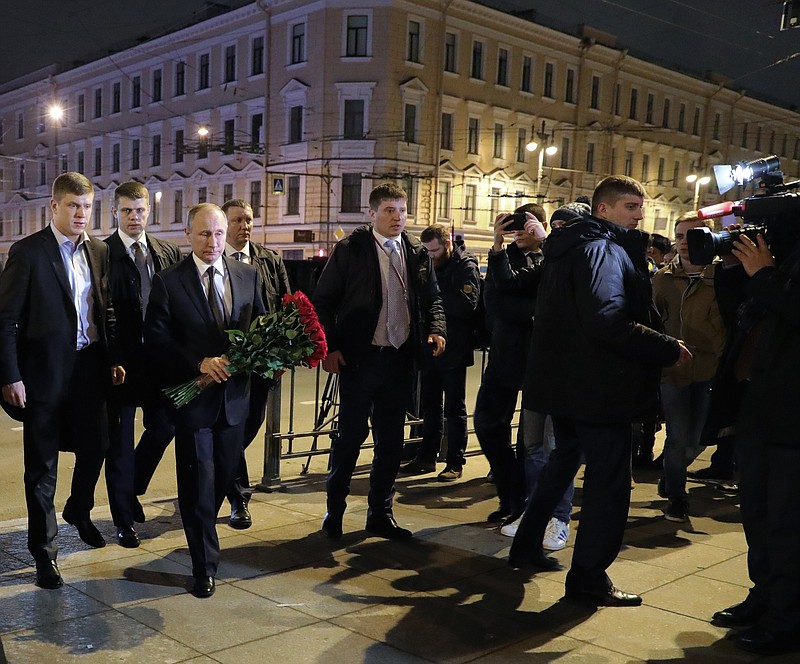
x: 266, y: 515
x: 675, y: 553
x: 24, y: 605
x: 102, y: 637
x: 429, y: 627
x: 123, y: 581
x: 465, y: 501
x: 695, y: 596
x: 640, y: 577
x: 324, y: 591
x: 320, y: 642
x: 714, y: 532
x: 231, y: 617
x: 731, y: 571
x: 547, y: 648
x: 652, y: 634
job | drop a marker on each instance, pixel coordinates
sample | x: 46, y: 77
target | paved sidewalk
x: 286, y: 594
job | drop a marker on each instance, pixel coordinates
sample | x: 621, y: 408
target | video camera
x: 774, y: 212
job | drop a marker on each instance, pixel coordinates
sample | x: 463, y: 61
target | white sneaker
x: 555, y: 535
x: 511, y: 529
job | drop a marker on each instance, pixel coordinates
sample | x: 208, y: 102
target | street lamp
x: 56, y: 114
x: 544, y: 148
x: 698, y: 182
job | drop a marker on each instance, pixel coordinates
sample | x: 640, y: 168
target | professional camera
x: 774, y: 212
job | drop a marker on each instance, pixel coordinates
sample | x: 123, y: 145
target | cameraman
x: 768, y: 452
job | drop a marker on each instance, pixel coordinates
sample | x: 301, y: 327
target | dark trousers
x: 494, y: 411
x: 379, y: 388
x: 606, y: 497
x: 121, y: 475
x: 770, y: 494
x: 450, y: 383
x: 76, y: 422
x: 205, y: 463
x: 239, y: 490
x: 159, y: 430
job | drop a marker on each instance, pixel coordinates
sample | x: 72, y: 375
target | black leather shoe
x: 86, y: 530
x: 138, y: 511
x: 759, y: 640
x: 539, y: 562
x: 387, y: 527
x: 240, y: 516
x: 332, y: 526
x: 498, y: 516
x: 203, y: 587
x: 738, y: 616
x: 48, y: 576
x: 127, y: 537
x: 603, y: 597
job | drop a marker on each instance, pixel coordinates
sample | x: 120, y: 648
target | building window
x: 116, y: 96
x: 473, y: 135
x: 758, y: 139
x: 450, y: 42
x: 771, y: 142
x: 298, y: 43
x: 228, y: 136
x: 522, y: 141
x: 682, y: 117
x: 42, y: 174
x: 179, y: 146
x: 696, y: 123
x: 785, y: 145
x: 98, y: 103
x: 497, y: 149
x: 256, y: 125
x: 414, y: 34
x: 255, y: 198
x: 353, y: 118
x: 257, y: 57
x: 115, y: 158
x: 42, y: 115
x: 634, y: 111
x: 796, y: 154
x: 526, y: 83
x: 64, y: 165
x: 616, y: 99
x: 136, y: 92
x: 661, y: 170
x: 296, y: 124
x: 410, y: 185
x: 357, y: 35
x: 564, y: 152
x: 81, y: 162
x: 157, y: 85
x: 204, y: 71
x: 21, y: 176
x: 97, y: 217
x: 744, y: 135
x: 676, y: 171
x: 155, y: 159
x: 502, y: 66
x: 293, y: 194
x: 43, y: 216
x: 98, y: 161
x: 594, y: 98
x: 410, y: 123
x: 648, y: 112
x: 135, y: 154
x: 470, y: 202
x: 443, y: 201
x: 447, y: 131
x: 569, y: 87
x: 81, y: 108
x: 476, y: 70
x: 227, y: 192
x: 715, y: 131
x: 180, y: 79
x: 645, y: 168
x: 665, y: 115
x: 202, y: 147
x: 627, y: 168
x: 202, y: 194
x: 547, y: 86
x: 230, y: 63
x: 351, y: 192
x: 590, y: 157
x: 177, y: 208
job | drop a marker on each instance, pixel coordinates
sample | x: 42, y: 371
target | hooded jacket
x: 596, y: 354
x: 348, y: 296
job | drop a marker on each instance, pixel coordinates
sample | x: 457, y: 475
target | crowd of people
x: 91, y: 330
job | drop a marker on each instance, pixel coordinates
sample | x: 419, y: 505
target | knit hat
x: 570, y: 213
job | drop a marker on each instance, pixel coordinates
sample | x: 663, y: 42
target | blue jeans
x: 540, y: 441
x: 685, y: 410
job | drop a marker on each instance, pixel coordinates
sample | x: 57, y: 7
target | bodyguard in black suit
x: 56, y: 321
x: 275, y: 283
x: 190, y: 306
x: 134, y: 257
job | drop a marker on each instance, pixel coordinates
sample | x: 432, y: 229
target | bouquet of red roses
x: 290, y: 337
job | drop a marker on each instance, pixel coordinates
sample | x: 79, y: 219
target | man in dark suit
x: 56, y: 321
x: 134, y: 257
x: 379, y: 303
x: 190, y: 306
x: 275, y: 283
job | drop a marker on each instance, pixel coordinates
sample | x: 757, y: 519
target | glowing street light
x: 698, y: 182
x: 56, y: 112
x: 203, y: 131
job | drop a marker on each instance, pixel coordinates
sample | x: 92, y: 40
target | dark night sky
x: 738, y: 38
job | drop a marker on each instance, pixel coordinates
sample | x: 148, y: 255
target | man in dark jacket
x: 594, y: 301
x: 134, y: 257
x: 768, y: 446
x: 378, y: 301
x: 275, y: 282
x: 459, y: 284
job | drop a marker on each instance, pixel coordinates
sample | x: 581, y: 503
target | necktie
x: 144, y: 274
x: 397, y: 319
x: 214, y: 300
x: 238, y: 255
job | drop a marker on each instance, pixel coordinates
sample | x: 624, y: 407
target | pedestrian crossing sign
x: 277, y: 186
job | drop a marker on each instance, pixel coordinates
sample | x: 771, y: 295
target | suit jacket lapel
x: 55, y: 259
x: 237, y: 292
x: 195, y: 292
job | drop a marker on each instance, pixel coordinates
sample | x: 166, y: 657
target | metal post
x: 271, y: 479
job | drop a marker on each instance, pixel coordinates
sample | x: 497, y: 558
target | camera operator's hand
x: 753, y: 255
x: 685, y: 355
x: 729, y: 260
